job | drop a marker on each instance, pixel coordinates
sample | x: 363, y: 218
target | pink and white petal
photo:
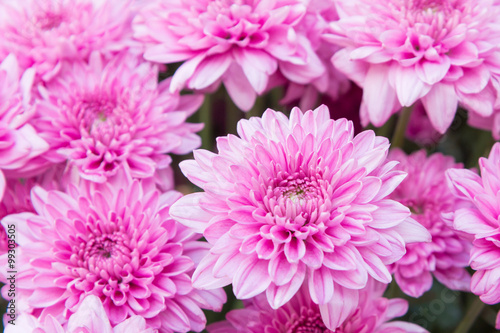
x: 188, y: 211
x: 431, y: 72
x: 185, y: 72
x: 343, y: 303
x: 321, y: 285
x: 251, y: 278
x: 441, y: 104
x: 409, y: 87
x: 203, y: 277
x: 211, y: 69
x: 239, y: 88
x: 277, y: 296
x: 355, y: 70
x: 91, y: 315
x: 378, y: 95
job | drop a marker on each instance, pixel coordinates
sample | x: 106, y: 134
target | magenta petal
x: 295, y: 250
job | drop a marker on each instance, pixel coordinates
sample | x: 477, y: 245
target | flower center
x: 295, y: 197
x: 48, y: 21
x: 105, y: 251
x: 307, y: 322
x: 102, y: 120
x: 432, y: 5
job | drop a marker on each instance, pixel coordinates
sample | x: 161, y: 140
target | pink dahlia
x: 444, y: 53
x: 42, y: 34
x: 89, y: 318
x: 239, y: 43
x: 482, y: 222
x: 104, y: 115
x: 297, y: 200
x: 300, y: 314
x: 19, y: 142
x: 332, y: 82
x: 428, y: 197
x: 116, y: 241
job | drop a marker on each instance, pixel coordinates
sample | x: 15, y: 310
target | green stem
x: 205, y: 117
x: 473, y: 312
x: 257, y: 109
x: 274, y: 98
x: 233, y: 115
x: 392, y: 291
x: 398, y: 138
x: 386, y: 129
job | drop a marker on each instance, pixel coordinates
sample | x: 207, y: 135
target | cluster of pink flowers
x: 303, y: 315
x: 443, y: 53
x: 308, y: 218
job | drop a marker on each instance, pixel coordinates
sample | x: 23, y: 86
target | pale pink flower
x: 294, y: 200
x: 101, y: 116
x: 482, y: 222
x: 332, y: 82
x: 44, y: 33
x: 239, y: 43
x: 17, y: 196
x: 443, y: 53
x: 300, y: 314
x: 116, y: 241
x: 19, y: 142
x: 428, y: 197
x: 89, y: 318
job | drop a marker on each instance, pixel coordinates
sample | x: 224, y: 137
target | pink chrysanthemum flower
x: 482, y: 222
x: 240, y: 43
x: 428, y: 197
x: 300, y: 314
x: 294, y: 200
x: 441, y: 52
x: 332, y: 82
x: 89, y: 318
x: 102, y: 116
x: 44, y: 33
x: 116, y: 241
x: 17, y: 196
x: 19, y: 142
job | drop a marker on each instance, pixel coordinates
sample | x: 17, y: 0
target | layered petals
x: 297, y: 199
